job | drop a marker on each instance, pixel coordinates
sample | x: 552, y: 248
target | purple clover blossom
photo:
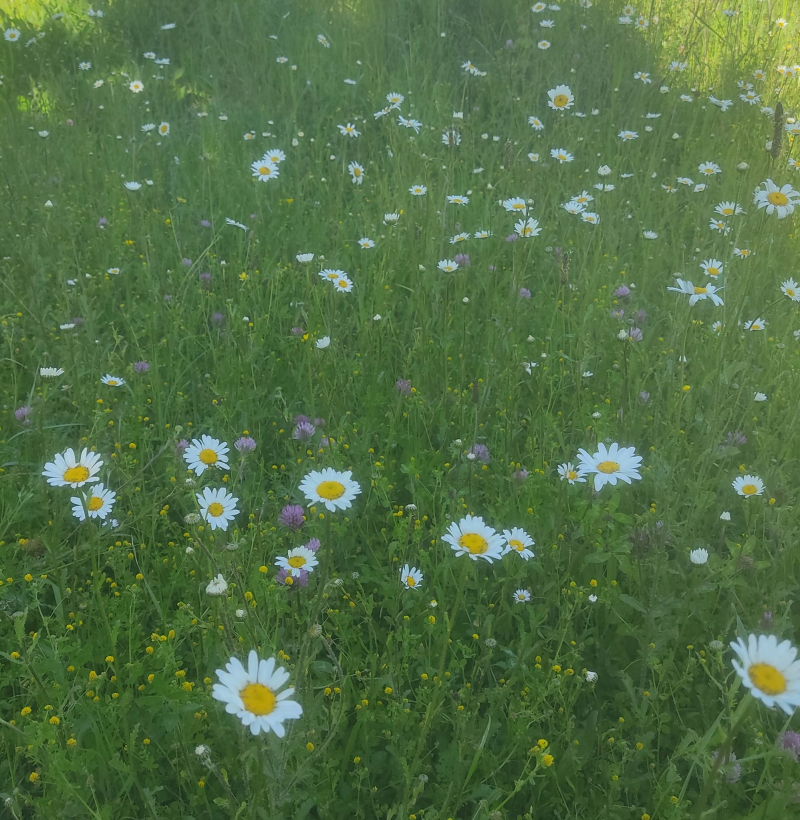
x: 640, y: 316
x: 512, y: 237
x: 520, y: 475
x: 730, y: 768
x: 303, y: 430
x: 141, y: 367
x: 21, y: 413
x: 635, y: 334
x: 102, y: 222
x: 285, y: 579
x: 735, y: 438
x: 462, y: 260
x: 403, y: 387
x: 297, y: 331
x: 205, y: 278
x: 204, y: 223
x: 187, y: 263
x: 524, y: 293
x: 217, y: 318
x: 313, y: 545
x: 180, y: 447
x: 480, y: 452
x: 291, y: 517
x: 245, y: 444
x: 617, y: 313
x: 622, y: 292
x: 78, y: 321
x: 319, y: 422
x: 790, y: 741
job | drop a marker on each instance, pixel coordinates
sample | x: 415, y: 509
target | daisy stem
x: 724, y: 752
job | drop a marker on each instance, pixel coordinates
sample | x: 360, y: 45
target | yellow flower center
x: 330, y: 490
x: 560, y: 100
x: 296, y: 561
x: 712, y: 271
x: 265, y: 170
x: 700, y: 290
x: 473, y: 543
x: 517, y: 545
x: 749, y: 489
x: 342, y: 283
x: 767, y: 679
x: 258, y: 699
x: 608, y: 467
x: 112, y: 382
x: 216, y: 509
x: 410, y: 580
x: 356, y: 172
x: 74, y: 475
x: 518, y: 206
x: 777, y: 198
x: 572, y: 475
x: 208, y: 456
x: 95, y: 502
x: 727, y: 211
x: 790, y: 292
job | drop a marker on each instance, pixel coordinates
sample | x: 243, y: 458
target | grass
x: 475, y: 706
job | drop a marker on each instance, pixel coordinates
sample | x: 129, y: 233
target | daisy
x: 561, y: 155
x: 275, y: 156
x: 217, y: 585
x: 447, y: 265
x: 699, y: 556
x: 482, y: 234
x: 457, y: 199
x: 709, y: 168
x: 471, y: 536
x: 591, y: 217
x: 755, y: 324
x: 769, y: 670
x: 67, y: 470
x: 409, y: 123
x: 533, y: 157
x: 791, y: 289
x: 527, y: 227
x: 297, y: 560
x: 323, y: 41
x: 365, y: 243
x: 418, y: 190
x: 217, y: 507
x: 459, y: 237
x: 522, y: 596
x: 98, y: 502
x: 133, y: 186
x: 206, y: 452
x: 748, y: 485
x: 410, y: 577
x: 560, y: 98
x: 113, y: 381
x: 343, y: 284
x: 252, y: 694
x: 583, y: 198
x: 163, y: 129
x: 323, y: 342
x: 759, y: 396
x: 610, y: 464
x: 719, y: 225
x: 335, y: 489
x: 515, y: 204
x: 136, y: 86
x: 729, y: 209
x: 698, y: 294
x: 569, y: 473
x: 264, y: 170
x: 775, y: 199
x: 331, y: 274
x: 50, y: 372
x: 625, y: 136
x: 12, y: 35
x: 712, y: 267
x: 574, y: 208
x: 517, y: 540
x: 394, y: 99
x: 535, y: 123
x: 543, y: 44
x: 357, y: 172
x: 742, y: 253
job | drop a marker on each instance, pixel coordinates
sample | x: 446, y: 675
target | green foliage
x: 451, y: 700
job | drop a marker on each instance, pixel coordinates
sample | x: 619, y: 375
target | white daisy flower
x: 252, y: 694
x: 610, y: 464
x: 97, y: 502
x: 217, y: 507
x: 335, y: 489
x: 50, y: 372
x: 517, y: 540
x: 471, y: 536
x: 522, y: 596
x: 68, y: 471
x: 568, y: 473
x: 748, y: 485
x: 699, y: 556
x: 560, y: 98
x: 769, y: 670
x: 206, y: 452
x: 113, y: 381
x: 410, y: 577
x: 296, y: 560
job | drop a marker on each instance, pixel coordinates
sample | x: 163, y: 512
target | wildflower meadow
x: 399, y: 410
